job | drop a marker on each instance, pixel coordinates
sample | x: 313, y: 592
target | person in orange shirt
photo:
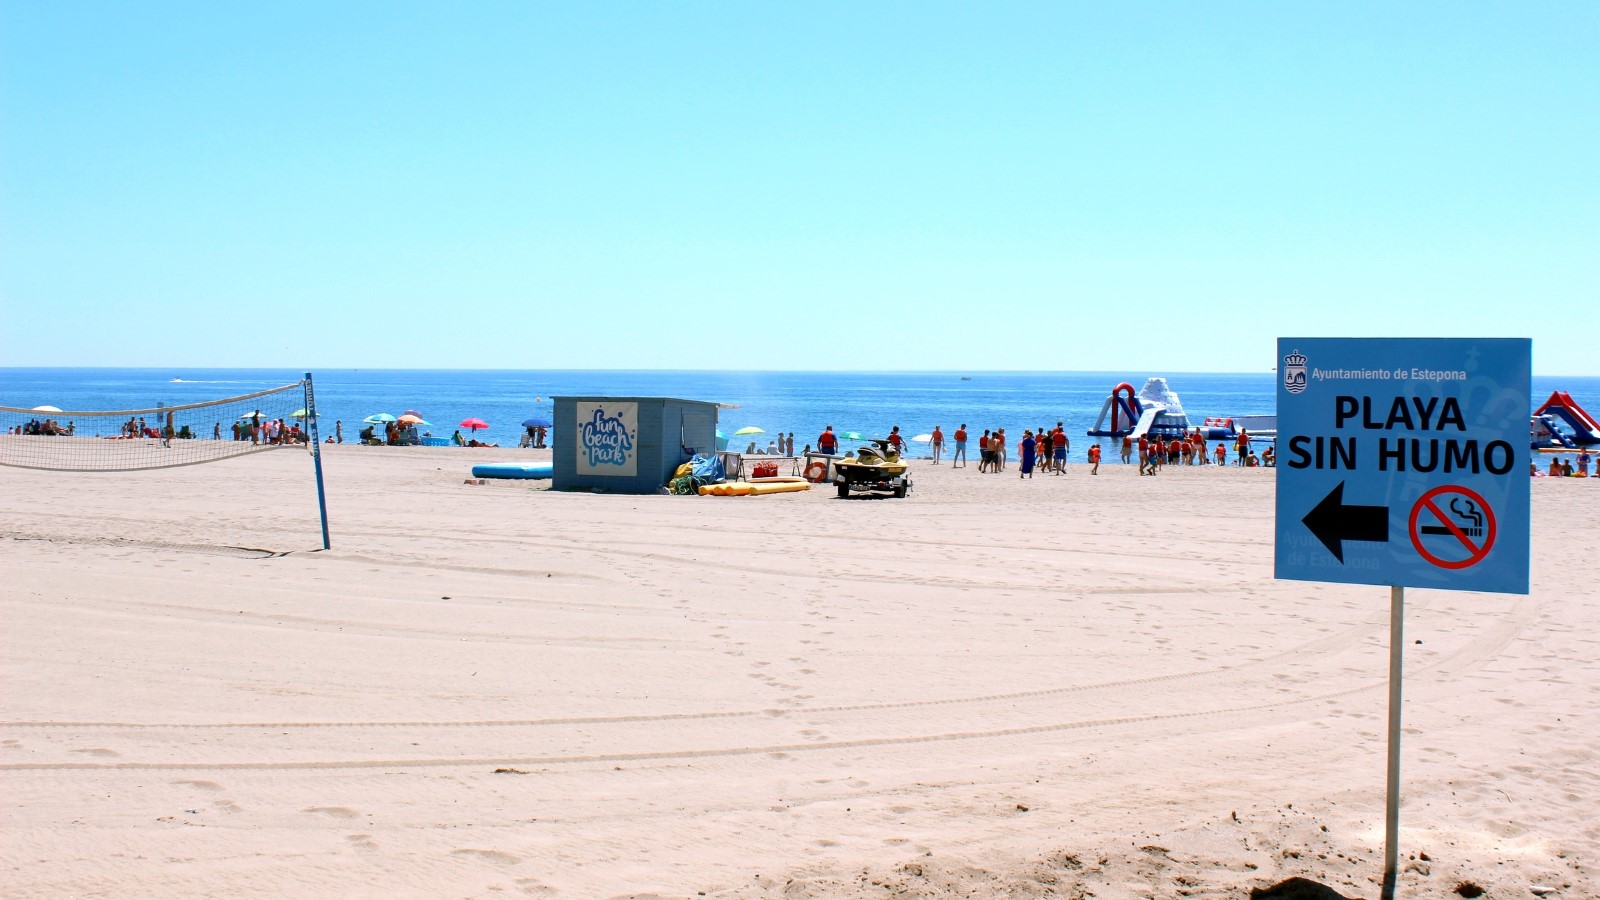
x: 1127, y: 449
x: 998, y: 445
x: 827, y: 442
x: 1144, y: 454
x: 961, y: 447
x: 1222, y: 454
x: 985, y: 454
x: 1060, y: 444
x: 938, y: 444
x: 1094, y: 459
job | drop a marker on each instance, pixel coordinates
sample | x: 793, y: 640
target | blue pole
x: 316, y: 457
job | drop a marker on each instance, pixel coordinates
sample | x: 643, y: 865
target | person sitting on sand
x: 1566, y: 468
x: 1555, y: 467
x: 457, y: 440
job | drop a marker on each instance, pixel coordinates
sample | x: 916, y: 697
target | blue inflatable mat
x: 514, y: 470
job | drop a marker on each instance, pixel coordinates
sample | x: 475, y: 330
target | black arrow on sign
x: 1334, y: 523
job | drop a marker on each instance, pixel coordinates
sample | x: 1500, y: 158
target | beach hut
x: 630, y: 445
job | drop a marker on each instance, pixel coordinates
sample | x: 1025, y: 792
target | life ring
x: 817, y: 471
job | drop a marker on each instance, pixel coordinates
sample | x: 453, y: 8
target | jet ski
x: 876, y: 467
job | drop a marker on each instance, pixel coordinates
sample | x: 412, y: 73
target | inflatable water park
x: 1157, y: 411
x: 1561, y: 424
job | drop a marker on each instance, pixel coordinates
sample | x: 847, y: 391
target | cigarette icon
x: 1470, y: 514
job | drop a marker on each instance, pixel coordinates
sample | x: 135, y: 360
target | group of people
x: 1156, y: 451
x: 1563, y: 467
x: 259, y: 429
x: 1047, y: 449
x: 45, y: 428
x: 778, y: 446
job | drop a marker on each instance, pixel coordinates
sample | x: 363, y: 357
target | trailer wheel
x: 900, y: 490
x: 844, y: 489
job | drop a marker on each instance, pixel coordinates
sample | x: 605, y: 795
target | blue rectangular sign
x: 1404, y: 461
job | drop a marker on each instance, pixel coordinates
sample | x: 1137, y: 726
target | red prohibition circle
x: 1476, y: 553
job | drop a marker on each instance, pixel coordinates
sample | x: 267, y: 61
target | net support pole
x: 316, y: 456
x: 1391, y: 811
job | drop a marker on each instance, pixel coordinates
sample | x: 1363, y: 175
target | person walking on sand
x: 998, y: 444
x: 1243, y: 445
x: 985, y: 455
x: 1222, y: 454
x: 1127, y: 449
x: 1062, y: 445
x: 1094, y: 459
x: 961, y: 447
x: 938, y: 444
x: 827, y: 443
x: 1027, y: 448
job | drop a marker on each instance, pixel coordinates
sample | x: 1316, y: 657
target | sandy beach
x: 1069, y: 686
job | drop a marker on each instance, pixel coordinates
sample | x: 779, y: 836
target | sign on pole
x: 1404, y: 462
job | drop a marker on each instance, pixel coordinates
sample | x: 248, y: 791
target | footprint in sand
x: 338, y: 812
x: 362, y: 842
x: 202, y: 785
x: 494, y: 856
x: 98, y: 751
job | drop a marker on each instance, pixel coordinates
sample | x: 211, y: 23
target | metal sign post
x: 1391, y: 810
x: 1403, y: 462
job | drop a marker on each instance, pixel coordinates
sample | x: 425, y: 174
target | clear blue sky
x: 792, y: 186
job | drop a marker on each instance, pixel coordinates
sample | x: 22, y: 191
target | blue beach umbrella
x: 537, y: 422
x: 379, y: 419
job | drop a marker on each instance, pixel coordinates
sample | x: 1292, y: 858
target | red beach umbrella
x: 474, y: 424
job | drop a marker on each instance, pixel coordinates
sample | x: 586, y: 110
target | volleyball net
x: 159, y: 438
x: 282, y: 418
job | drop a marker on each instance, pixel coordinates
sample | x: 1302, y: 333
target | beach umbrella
x: 536, y: 422
x: 474, y: 424
x: 46, y: 409
x: 300, y: 414
x: 852, y: 436
x: 375, y: 419
x: 413, y: 419
x: 252, y: 415
x: 749, y: 429
x: 412, y: 412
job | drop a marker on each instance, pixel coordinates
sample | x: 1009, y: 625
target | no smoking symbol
x: 1452, y: 527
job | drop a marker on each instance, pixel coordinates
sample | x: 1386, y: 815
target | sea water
x: 802, y: 402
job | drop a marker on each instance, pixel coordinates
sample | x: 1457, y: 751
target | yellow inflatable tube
x: 756, y: 487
